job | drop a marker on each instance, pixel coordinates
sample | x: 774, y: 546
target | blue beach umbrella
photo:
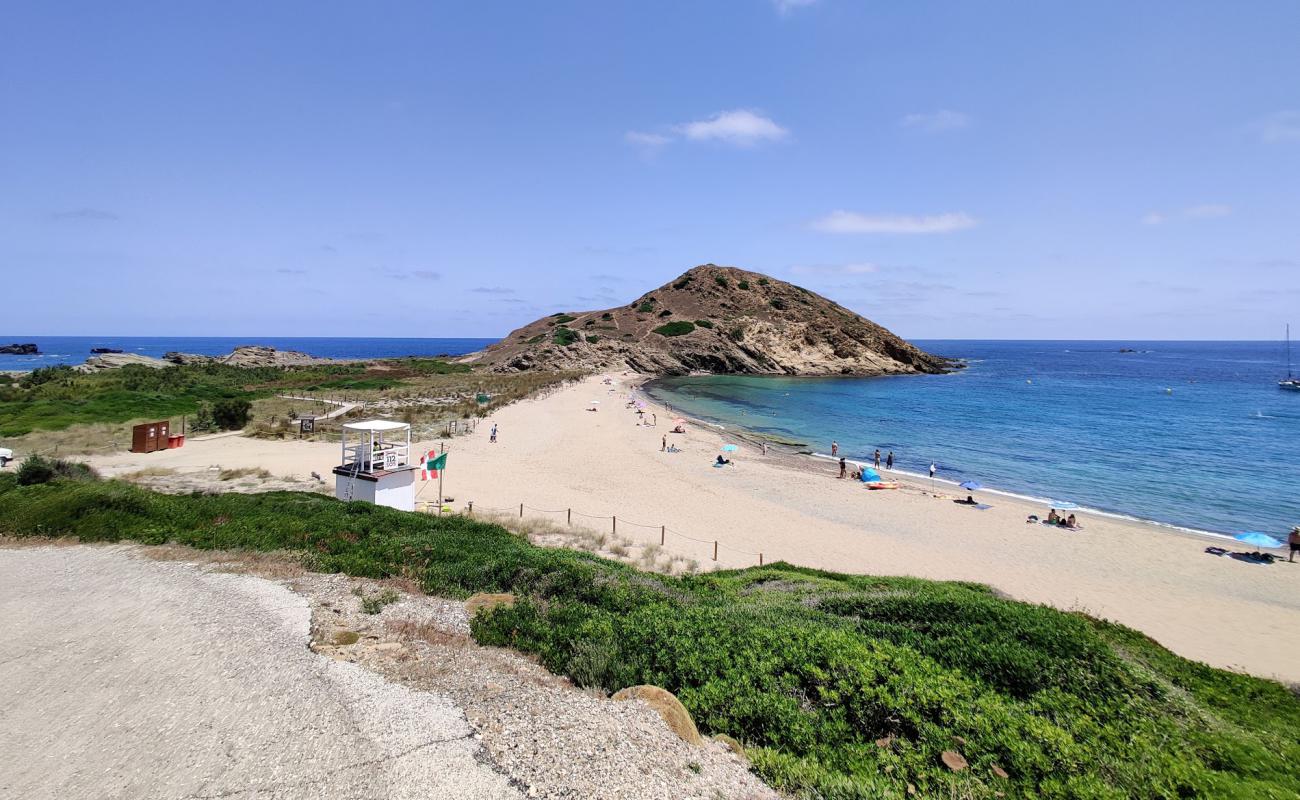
x: 870, y: 475
x: 971, y: 486
x: 729, y: 448
x: 1064, y: 505
x: 1257, y: 539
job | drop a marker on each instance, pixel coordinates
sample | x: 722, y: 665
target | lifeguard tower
x: 376, y: 464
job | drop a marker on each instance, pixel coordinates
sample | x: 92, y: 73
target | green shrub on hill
x: 561, y: 319
x: 39, y: 469
x: 565, y: 336
x: 679, y: 328
x: 839, y: 686
x: 647, y: 307
x: 704, y: 323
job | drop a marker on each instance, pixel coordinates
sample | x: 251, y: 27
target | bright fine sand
x: 554, y: 454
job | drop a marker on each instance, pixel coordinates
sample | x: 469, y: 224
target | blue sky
x: 963, y: 170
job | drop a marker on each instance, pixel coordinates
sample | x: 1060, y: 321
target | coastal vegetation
x: 837, y: 686
x: 679, y: 328
x: 66, y: 410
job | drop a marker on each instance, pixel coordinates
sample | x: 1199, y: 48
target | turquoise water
x: 1192, y: 434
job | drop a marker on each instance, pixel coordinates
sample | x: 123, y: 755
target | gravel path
x: 124, y: 677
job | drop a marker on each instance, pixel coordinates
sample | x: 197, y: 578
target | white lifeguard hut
x: 376, y: 465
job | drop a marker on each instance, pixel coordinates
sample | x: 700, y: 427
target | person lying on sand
x: 969, y: 501
x: 678, y: 429
x: 721, y: 461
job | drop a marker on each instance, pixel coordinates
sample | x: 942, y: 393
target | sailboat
x: 1290, y: 383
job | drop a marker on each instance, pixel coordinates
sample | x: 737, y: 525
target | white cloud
x: 1203, y: 211
x: 858, y: 268
x: 739, y: 126
x: 1209, y: 210
x: 936, y: 121
x: 853, y: 222
x: 1281, y: 126
x: 786, y: 6
x: 650, y: 141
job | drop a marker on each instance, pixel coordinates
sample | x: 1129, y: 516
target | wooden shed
x: 149, y: 436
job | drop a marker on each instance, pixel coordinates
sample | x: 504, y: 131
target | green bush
x: 777, y: 303
x: 682, y: 284
x: 561, y: 319
x: 607, y: 316
x: 592, y: 339
x: 704, y: 323
x: 721, y: 280
x: 565, y: 336
x: 534, y: 340
x: 231, y: 413
x: 840, y: 686
x: 647, y: 307
x: 679, y: 328
x: 763, y: 281
x: 665, y: 313
x: 743, y: 284
x: 39, y: 469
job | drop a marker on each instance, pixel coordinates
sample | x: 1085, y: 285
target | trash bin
x: 176, y: 441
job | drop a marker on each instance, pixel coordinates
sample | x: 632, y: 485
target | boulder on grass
x: 668, y: 706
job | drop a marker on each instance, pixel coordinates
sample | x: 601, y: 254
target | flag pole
x: 444, y: 469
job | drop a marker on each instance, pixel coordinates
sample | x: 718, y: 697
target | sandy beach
x: 553, y: 454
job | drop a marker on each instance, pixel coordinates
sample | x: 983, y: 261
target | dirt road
x: 122, y: 677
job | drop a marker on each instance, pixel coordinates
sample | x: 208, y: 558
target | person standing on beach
x: 933, y: 469
x: 843, y: 467
x: 877, y: 458
x: 493, y: 437
x: 889, y: 461
x: 1294, y: 541
x: 764, y: 448
x: 664, y: 445
x: 835, y: 449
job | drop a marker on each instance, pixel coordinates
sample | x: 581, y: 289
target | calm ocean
x: 1193, y: 434
x: 76, y: 349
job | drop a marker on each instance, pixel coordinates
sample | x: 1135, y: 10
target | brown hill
x: 715, y: 319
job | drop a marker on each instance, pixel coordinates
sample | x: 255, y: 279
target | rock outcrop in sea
x: 27, y: 349
x: 714, y: 319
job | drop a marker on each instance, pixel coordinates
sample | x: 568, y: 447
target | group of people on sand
x: 844, y: 466
x: 1054, y: 518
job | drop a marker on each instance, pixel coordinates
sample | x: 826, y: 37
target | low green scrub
x: 565, y: 336
x: 838, y: 686
x: 561, y: 319
x: 704, y: 323
x: 646, y: 307
x: 592, y: 339
x: 679, y: 328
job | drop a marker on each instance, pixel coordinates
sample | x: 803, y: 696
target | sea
x: 1193, y: 435
x: 74, y: 350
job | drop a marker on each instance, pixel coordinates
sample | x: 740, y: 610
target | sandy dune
x: 554, y: 454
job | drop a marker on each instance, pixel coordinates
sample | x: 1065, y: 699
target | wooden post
x: 615, y: 528
x: 471, y: 508
x: 521, y: 510
x: 760, y: 559
x: 715, y: 549
x: 569, y: 520
x: 663, y: 534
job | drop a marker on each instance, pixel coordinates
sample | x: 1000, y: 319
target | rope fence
x: 614, y: 522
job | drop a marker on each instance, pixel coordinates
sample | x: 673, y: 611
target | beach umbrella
x: 1064, y: 505
x: 1257, y: 539
x: 971, y: 486
x: 869, y: 475
x: 729, y: 448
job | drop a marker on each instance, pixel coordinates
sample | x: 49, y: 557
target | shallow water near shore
x: 1190, y: 434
